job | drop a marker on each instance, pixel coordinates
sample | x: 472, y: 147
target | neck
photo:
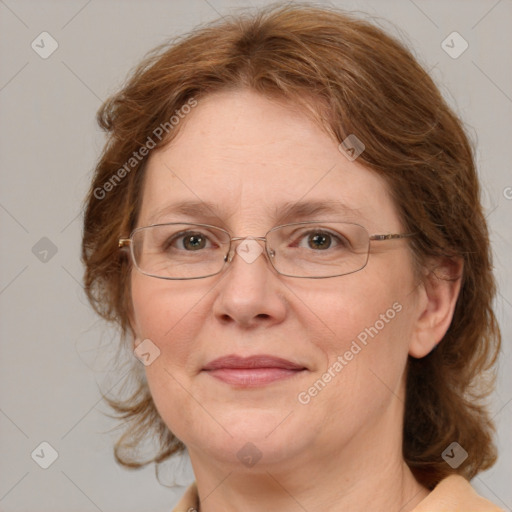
x: 356, y: 482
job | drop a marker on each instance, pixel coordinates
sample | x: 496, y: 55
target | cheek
x: 164, y: 313
x: 358, y: 307
x: 368, y: 328
x: 162, y: 308
x: 169, y: 315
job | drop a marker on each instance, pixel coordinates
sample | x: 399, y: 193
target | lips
x: 261, y: 361
x: 252, y: 371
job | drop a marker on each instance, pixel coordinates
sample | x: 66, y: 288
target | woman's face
x: 243, y: 159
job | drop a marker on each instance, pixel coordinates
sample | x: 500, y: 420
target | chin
x: 251, y: 435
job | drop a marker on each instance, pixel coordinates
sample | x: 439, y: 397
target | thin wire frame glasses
x: 311, y: 250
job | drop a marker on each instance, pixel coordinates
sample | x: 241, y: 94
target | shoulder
x: 455, y: 494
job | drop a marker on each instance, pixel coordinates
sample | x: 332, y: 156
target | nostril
x: 226, y: 318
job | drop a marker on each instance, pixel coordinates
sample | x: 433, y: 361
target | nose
x: 250, y: 293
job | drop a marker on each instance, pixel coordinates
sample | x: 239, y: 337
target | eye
x: 194, y: 242
x: 321, y: 240
x: 188, y: 241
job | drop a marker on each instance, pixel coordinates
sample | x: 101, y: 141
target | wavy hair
x: 355, y: 79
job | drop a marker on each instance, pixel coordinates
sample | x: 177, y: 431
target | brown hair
x: 366, y: 83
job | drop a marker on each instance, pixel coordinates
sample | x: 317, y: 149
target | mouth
x: 252, y: 371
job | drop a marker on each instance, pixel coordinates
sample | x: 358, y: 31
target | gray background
x: 55, y: 354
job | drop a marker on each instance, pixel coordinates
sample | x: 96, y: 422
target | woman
x: 285, y: 223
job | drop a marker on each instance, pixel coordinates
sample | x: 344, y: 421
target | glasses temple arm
x: 391, y: 236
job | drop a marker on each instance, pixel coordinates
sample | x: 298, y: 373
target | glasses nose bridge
x: 237, y: 238
x: 231, y: 252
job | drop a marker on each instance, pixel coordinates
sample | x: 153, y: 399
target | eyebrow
x: 310, y: 209
x: 287, y: 212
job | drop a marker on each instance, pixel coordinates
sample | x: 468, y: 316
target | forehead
x: 248, y: 157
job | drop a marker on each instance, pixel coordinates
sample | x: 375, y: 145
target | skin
x: 248, y: 155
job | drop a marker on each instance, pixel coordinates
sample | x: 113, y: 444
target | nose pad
x: 228, y: 258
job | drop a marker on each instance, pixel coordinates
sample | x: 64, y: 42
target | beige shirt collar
x: 453, y: 494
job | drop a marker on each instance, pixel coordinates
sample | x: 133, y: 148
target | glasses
x: 313, y: 250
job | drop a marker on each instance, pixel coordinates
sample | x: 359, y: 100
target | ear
x: 133, y: 328
x: 134, y: 331
x: 436, y: 304
x: 130, y: 315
